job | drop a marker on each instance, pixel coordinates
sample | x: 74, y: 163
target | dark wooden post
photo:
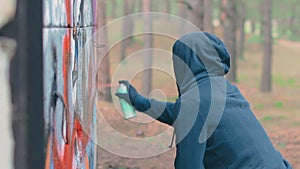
x: 26, y: 78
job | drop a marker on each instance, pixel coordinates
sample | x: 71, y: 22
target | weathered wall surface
x: 69, y: 83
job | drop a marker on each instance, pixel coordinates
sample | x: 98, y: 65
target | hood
x: 197, y: 56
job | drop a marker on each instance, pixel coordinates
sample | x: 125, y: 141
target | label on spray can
x: 127, y: 109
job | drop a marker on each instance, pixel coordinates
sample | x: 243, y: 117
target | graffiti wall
x: 69, y: 84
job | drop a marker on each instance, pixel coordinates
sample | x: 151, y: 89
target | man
x: 214, y: 125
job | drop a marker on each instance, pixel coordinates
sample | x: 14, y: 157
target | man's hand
x: 139, y: 102
x: 128, y: 97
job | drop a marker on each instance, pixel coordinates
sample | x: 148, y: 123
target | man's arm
x: 164, y: 112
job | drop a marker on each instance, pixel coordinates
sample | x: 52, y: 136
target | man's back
x: 240, y: 142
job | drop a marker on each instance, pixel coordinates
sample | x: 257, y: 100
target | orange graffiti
x: 65, y: 160
x: 68, y: 10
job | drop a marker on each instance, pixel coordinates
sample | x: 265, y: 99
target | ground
x: 279, y: 111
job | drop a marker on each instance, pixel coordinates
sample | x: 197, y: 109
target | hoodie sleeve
x: 164, y: 112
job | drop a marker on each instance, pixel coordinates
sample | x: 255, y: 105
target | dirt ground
x: 279, y: 111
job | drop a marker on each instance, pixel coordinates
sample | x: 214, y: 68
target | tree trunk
x: 266, y: 81
x: 222, y: 6
x: 128, y: 7
x: 253, y: 26
x: 155, y: 5
x: 148, y: 38
x: 139, y: 6
x: 113, y: 12
x: 196, y: 12
x: 208, y: 9
x: 230, y: 36
x: 167, y: 8
x: 182, y: 12
x: 130, y: 23
x: 261, y: 9
x: 241, y: 26
x: 103, y: 76
x: 293, y: 20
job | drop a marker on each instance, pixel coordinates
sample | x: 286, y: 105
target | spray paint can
x: 127, y: 109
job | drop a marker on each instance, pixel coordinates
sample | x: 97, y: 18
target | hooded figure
x: 214, y: 125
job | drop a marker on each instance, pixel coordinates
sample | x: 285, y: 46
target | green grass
x: 258, y: 39
x: 281, y: 117
x: 255, y: 66
x: 284, y: 81
x: 278, y: 105
x: 259, y: 106
x: 291, y: 81
x: 255, y: 39
x: 281, y: 145
x: 294, y: 38
x: 267, y: 119
x: 295, y: 124
x: 242, y: 78
x: 270, y: 118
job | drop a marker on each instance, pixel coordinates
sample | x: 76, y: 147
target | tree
x: 286, y: 13
x: 230, y: 35
x: 266, y: 80
x: 148, y: 38
x: 252, y: 15
x: 128, y: 8
x: 139, y: 6
x: 113, y: 12
x: 207, y: 20
x: 155, y: 5
x: 242, y: 11
x: 182, y: 12
x: 196, y: 12
x: 103, y: 76
x: 222, y: 5
x: 167, y: 8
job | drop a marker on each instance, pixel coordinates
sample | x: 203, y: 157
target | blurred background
x: 73, y: 36
x: 262, y: 36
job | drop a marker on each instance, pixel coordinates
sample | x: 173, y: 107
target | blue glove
x: 138, y: 101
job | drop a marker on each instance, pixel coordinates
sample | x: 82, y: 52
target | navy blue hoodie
x: 214, y: 125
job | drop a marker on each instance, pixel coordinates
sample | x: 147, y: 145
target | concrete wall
x: 69, y: 83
